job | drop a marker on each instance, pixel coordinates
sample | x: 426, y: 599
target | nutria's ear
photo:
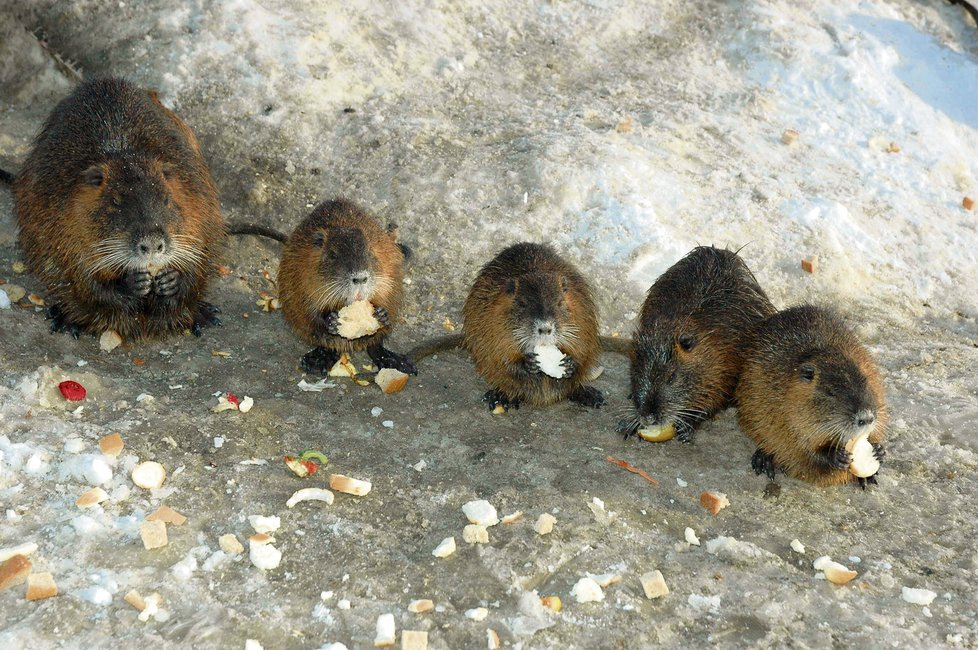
x: 511, y: 285
x: 806, y: 372
x: 318, y: 239
x: 564, y: 284
x: 94, y: 176
x: 687, y: 342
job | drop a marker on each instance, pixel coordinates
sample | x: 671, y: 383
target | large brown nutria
x: 807, y: 388
x: 688, y: 349
x: 337, y: 256
x: 118, y: 215
x: 528, y: 296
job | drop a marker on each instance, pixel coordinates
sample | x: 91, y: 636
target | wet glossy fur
x: 797, y: 420
x: 526, y: 281
x: 150, y: 164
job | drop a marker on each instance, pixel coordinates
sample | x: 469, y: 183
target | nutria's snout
x: 360, y: 285
x: 842, y: 395
x: 150, y: 251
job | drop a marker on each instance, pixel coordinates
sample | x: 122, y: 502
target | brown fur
x: 55, y: 208
x: 299, y: 276
x: 782, y: 413
x: 705, y: 302
x: 489, y: 322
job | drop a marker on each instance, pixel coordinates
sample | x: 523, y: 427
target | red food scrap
x: 631, y: 468
x: 72, y: 391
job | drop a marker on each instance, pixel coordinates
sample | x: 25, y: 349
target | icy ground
x: 626, y: 133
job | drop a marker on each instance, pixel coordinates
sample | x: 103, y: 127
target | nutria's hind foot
x: 60, y: 322
x: 871, y: 480
x: 206, y: 316
x: 496, y: 398
x: 318, y: 361
x: 832, y: 457
x: 684, y: 431
x: 588, y: 396
x: 166, y: 284
x: 384, y: 358
x: 628, y: 427
x: 763, y: 463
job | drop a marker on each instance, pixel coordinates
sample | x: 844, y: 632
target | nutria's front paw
x: 835, y: 458
x: 869, y: 480
x: 138, y: 283
x: 331, y: 319
x: 531, y: 364
x: 628, y: 427
x: 569, y: 365
x: 206, y: 316
x: 382, y: 316
x: 878, y: 451
x: 166, y: 283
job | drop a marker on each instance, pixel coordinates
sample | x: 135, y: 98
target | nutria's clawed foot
x: 531, y: 365
x: 570, y: 367
x: 137, y: 283
x: 318, y: 361
x: 763, y: 463
x: 588, y: 396
x: 384, y: 358
x: 833, y: 458
x: 496, y: 398
x: 206, y: 317
x: 332, y: 322
x: 166, y: 283
x: 878, y: 451
x: 870, y: 480
x: 382, y: 316
x: 684, y: 432
x: 627, y: 427
x: 60, y: 322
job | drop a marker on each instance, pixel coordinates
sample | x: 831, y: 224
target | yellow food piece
x: 657, y: 434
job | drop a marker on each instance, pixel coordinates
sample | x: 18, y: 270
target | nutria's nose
x: 545, y: 329
x: 359, y: 278
x: 152, y: 245
x: 865, y: 418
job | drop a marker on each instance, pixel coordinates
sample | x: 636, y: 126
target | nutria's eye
x: 511, y: 286
x: 687, y: 342
x: 806, y: 373
x: 672, y: 378
x: 318, y: 239
x: 116, y: 200
x: 93, y: 176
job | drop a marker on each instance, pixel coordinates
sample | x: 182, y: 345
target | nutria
x: 688, y: 348
x: 339, y: 255
x: 528, y: 296
x: 808, y: 387
x: 118, y: 215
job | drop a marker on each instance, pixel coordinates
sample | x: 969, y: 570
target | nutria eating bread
x: 118, y: 215
x: 688, y: 349
x: 807, y: 390
x: 531, y: 327
x: 337, y: 260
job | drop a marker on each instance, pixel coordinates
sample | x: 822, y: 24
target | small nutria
x: 807, y: 388
x: 118, y: 215
x: 688, y: 348
x: 528, y: 296
x: 339, y: 255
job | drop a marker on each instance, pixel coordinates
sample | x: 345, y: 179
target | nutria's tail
x: 6, y: 177
x: 616, y: 344
x: 434, y: 346
x: 255, y: 229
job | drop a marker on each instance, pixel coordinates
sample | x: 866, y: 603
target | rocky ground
x: 625, y: 133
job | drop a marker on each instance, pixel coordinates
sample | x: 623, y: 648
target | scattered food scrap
x: 109, y: 340
x: 657, y: 434
x: 691, y: 536
x: 153, y: 534
x: 391, y: 380
x: 263, y: 524
x: 809, y: 264
x: 789, y: 136
x: 654, y: 585
x: 14, y: 571
x: 414, y: 640
x: 481, y: 513
x: 420, y: 606
x: 475, y: 534
x: 262, y: 554
x: 167, y: 515
x: 40, y: 586
x: 967, y: 203
x: 305, y: 463
x: 386, y: 631
x: 111, y: 445
x: 834, y: 572
x: 797, y: 546
x: 148, y: 475
x: 91, y: 498
x: 553, y: 603
x: 477, y: 614
x: 544, y: 524
x: 445, y: 548
x: 72, y: 391
x: 348, y: 485
x: 918, y: 596
x: 229, y: 544
x: 310, y: 494
x: 587, y: 591
x: 631, y: 468
x: 714, y: 502
x: 512, y: 518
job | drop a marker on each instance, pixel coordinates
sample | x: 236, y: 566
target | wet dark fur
x: 522, y: 283
x: 689, y: 346
x: 113, y: 164
x: 339, y: 238
x: 806, y: 382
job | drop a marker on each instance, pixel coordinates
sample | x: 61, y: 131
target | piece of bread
x: 41, y: 585
x: 391, y: 380
x: 14, y: 571
x: 349, y: 485
x: 714, y: 501
x: 111, y: 445
x: 153, y: 534
x: 168, y: 515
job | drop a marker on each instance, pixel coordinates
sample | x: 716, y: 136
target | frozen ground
x: 625, y: 132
